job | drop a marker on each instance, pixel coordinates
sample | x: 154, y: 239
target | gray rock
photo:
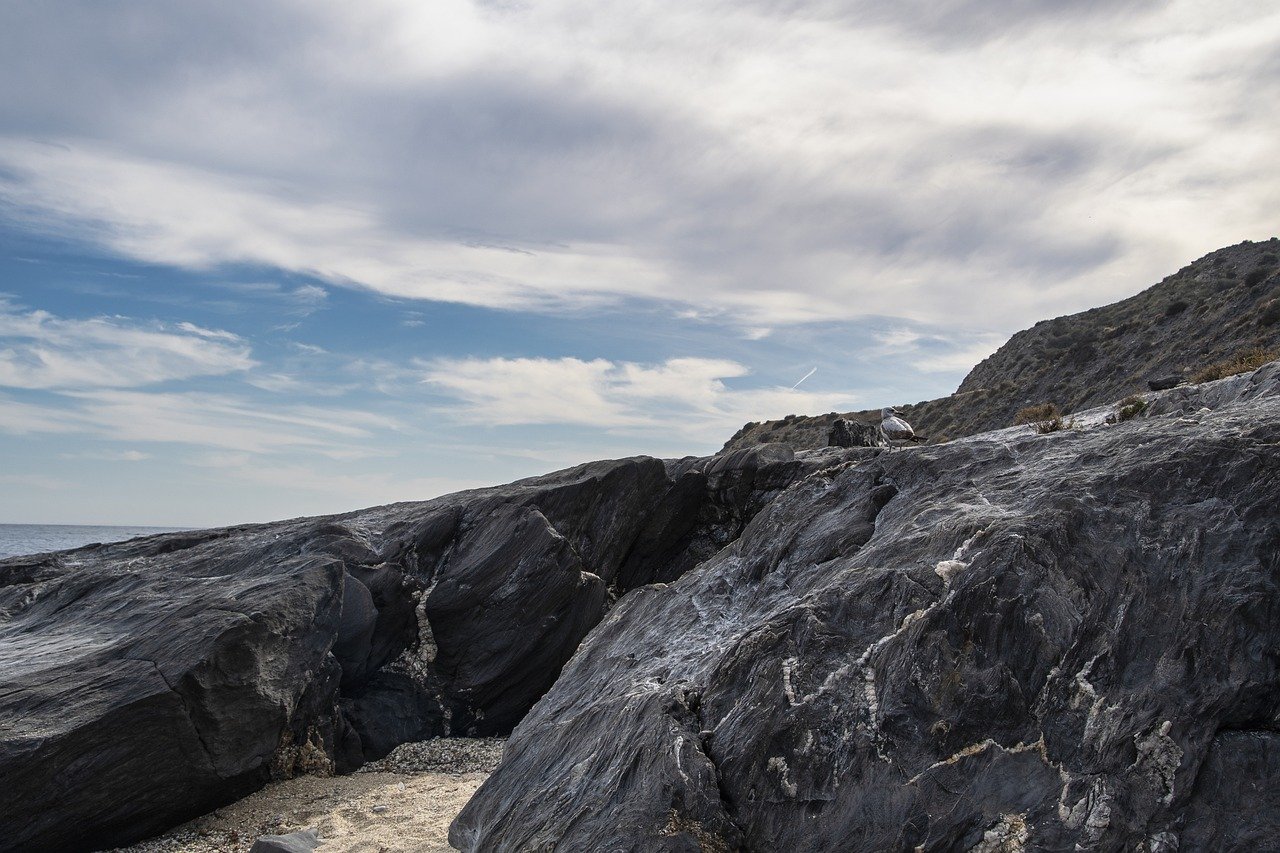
x: 294, y: 842
x: 1164, y: 383
x: 850, y: 433
x: 144, y: 683
x: 1011, y: 641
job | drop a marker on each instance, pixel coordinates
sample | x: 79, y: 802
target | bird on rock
x: 895, y: 429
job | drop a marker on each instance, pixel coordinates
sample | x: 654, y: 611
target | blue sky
x: 273, y: 259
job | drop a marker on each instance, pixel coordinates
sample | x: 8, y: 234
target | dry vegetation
x: 1243, y: 362
x: 1037, y: 414
x: 1131, y: 407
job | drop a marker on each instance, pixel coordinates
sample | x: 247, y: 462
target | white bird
x: 895, y: 429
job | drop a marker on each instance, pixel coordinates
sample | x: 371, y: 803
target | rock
x: 849, y: 433
x: 1164, y: 383
x: 1012, y: 641
x: 294, y: 842
x: 150, y: 681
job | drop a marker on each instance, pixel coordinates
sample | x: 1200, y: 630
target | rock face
x: 146, y: 682
x: 849, y: 433
x: 1014, y: 641
x: 1222, y: 304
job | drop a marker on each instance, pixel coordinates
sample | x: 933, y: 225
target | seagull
x: 895, y: 428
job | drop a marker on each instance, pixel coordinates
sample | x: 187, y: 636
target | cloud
x: 109, y: 455
x: 35, y: 481
x: 764, y: 164
x: 344, y: 488
x: 39, y: 350
x: 682, y: 396
x: 948, y: 358
x: 22, y: 418
x: 226, y: 422
x: 229, y: 422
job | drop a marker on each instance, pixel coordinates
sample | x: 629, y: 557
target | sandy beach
x: 401, y: 804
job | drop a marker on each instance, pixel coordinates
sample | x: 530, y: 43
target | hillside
x: 1222, y: 304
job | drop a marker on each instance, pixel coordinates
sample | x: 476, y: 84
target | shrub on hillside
x: 1053, y: 425
x: 1175, y: 308
x: 1034, y: 414
x: 1131, y: 407
x: 1270, y: 313
x: 1256, y: 276
x: 1243, y: 362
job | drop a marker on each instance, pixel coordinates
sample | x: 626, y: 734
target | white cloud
x: 962, y: 358
x: 229, y: 422
x: 344, y: 488
x: 22, y: 418
x: 221, y: 421
x: 759, y: 162
x: 35, y: 481
x: 683, y: 396
x: 109, y: 455
x: 41, y: 351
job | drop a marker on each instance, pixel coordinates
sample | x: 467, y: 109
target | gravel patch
x: 442, y: 755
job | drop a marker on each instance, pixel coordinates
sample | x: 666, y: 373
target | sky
x: 270, y: 259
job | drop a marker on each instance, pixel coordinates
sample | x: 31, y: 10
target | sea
x: 19, y: 539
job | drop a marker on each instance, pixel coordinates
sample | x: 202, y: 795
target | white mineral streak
x: 679, y: 747
x: 1159, y: 757
x: 787, y: 688
x: 948, y: 569
x: 981, y: 747
x: 1009, y: 835
x: 778, y: 764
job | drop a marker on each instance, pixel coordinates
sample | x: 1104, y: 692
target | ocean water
x: 18, y: 539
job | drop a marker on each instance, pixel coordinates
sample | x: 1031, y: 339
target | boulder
x: 1011, y: 641
x: 845, y: 432
x: 144, y: 683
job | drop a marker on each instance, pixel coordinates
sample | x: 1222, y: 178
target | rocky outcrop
x: 1013, y: 641
x: 849, y: 433
x: 146, y: 682
x: 1218, y: 306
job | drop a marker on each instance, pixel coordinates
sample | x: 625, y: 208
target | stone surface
x: 1012, y: 641
x: 146, y: 682
x: 850, y: 433
x: 294, y: 842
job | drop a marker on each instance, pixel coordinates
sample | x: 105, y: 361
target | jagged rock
x: 849, y: 433
x: 1012, y: 641
x: 146, y: 682
x: 294, y: 842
